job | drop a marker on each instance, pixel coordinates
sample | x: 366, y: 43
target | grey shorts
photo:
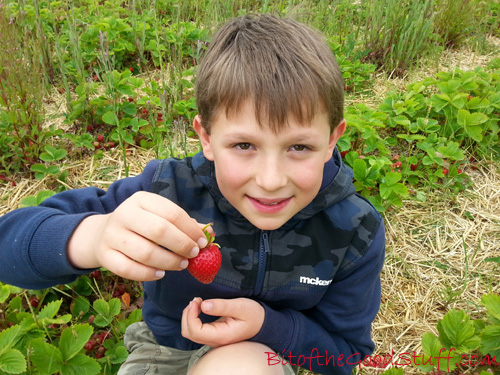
x: 147, y: 357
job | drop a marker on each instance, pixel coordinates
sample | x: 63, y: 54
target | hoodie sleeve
x: 33, y: 240
x: 335, y: 335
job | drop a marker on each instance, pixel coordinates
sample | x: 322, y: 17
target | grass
x: 437, y: 247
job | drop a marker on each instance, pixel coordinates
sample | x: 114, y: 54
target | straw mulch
x: 436, y: 254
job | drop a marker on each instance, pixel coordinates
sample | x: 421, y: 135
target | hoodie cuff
x: 47, y: 249
x: 278, y: 330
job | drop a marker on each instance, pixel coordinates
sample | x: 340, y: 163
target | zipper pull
x: 265, y: 241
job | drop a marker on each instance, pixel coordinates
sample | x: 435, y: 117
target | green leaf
x: 435, y: 356
x: 393, y: 371
x: 46, y: 357
x: 80, y: 364
x: 4, y: 293
x: 73, y: 340
x: 115, y: 306
x: 129, y: 109
x: 492, y: 304
x: 439, y: 101
x: 478, y: 103
x: 350, y: 157
x: 53, y: 170
x: 60, y: 154
x: 40, y: 168
x: 430, y: 343
x: 401, y: 120
x: 457, y: 331
x: 125, y: 89
x: 360, y: 169
x: 46, y: 156
x: 50, y: 309
x: 392, y: 178
x: 478, y: 118
x: 490, y: 340
x: 81, y: 305
x: 385, y: 191
x: 459, y: 101
x: 471, y: 123
x: 118, y: 354
x: 29, y: 201
x: 400, y: 189
x: 12, y: 361
x: 82, y: 286
x: 106, y: 311
x: 451, y: 151
x: 8, y: 337
x: 493, y: 259
x: 102, y: 308
x: 448, y: 87
x: 110, y: 118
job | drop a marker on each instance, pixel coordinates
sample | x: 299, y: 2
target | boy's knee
x: 243, y: 358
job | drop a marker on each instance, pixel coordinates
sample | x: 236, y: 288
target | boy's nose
x: 270, y: 175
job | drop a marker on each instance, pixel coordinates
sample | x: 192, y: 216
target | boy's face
x: 268, y: 177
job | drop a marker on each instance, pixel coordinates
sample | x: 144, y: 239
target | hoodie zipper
x: 263, y: 253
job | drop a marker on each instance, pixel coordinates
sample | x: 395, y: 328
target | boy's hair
x: 284, y: 67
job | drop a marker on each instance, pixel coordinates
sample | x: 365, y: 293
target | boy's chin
x: 268, y: 224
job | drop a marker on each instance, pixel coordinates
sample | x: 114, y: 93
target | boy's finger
x: 237, y: 308
x: 138, y: 248
x: 125, y: 267
x: 180, y: 233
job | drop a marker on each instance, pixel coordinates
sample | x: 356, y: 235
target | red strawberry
x: 206, y: 264
x: 90, y: 345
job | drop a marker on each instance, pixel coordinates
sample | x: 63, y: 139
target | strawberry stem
x: 210, y: 238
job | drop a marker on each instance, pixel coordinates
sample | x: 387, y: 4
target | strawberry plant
x: 79, y: 331
x: 50, y: 155
x: 35, y: 200
x: 355, y: 72
x: 464, y: 339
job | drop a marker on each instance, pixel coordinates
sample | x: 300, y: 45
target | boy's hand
x: 129, y: 240
x: 241, y: 319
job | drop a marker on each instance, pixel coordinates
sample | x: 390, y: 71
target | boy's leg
x: 147, y: 357
x: 243, y: 358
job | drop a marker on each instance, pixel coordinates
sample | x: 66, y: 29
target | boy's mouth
x: 269, y: 205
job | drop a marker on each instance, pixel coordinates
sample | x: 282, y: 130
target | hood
x: 336, y: 186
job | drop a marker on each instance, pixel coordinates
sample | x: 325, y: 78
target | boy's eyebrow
x: 302, y: 137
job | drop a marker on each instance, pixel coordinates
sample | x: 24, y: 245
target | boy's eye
x: 299, y: 148
x: 243, y: 146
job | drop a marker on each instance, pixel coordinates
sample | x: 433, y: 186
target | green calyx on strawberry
x: 206, y: 264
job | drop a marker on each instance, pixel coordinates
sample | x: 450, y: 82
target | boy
x: 301, y: 252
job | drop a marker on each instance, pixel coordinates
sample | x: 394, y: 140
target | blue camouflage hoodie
x: 317, y: 277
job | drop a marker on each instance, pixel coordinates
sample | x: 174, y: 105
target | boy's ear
x: 335, y: 136
x: 204, y: 138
